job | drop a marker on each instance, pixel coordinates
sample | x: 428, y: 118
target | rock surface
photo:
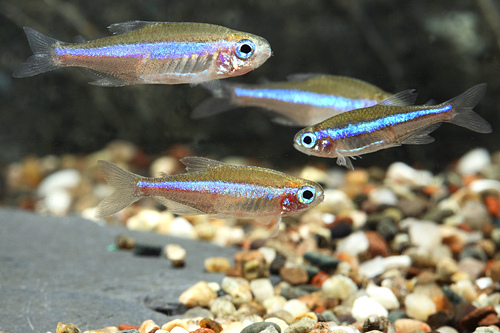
x: 59, y: 269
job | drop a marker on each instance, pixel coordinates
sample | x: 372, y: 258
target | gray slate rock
x: 59, y: 269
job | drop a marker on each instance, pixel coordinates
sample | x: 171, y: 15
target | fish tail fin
x: 218, y: 103
x: 464, y: 115
x: 123, y: 182
x: 42, y: 59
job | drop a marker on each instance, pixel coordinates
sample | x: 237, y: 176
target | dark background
x: 440, y: 48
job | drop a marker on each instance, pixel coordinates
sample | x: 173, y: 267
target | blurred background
x: 440, y: 48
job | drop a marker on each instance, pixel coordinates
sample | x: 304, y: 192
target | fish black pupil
x: 308, y: 195
x: 307, y: 140
x: 245, y: 48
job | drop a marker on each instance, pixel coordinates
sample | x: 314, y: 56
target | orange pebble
x: 467, y: 179
x: 124, y: 327
x: 318, y: 279
x: 493, y: 205
x: 203, y: 330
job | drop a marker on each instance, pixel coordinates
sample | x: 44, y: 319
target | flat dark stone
x: 59, y: 269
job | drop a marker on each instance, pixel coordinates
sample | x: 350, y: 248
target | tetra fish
x: 151, y: 53
x: 303, y: 100
x: 214, y: 188
x: 391, y: 123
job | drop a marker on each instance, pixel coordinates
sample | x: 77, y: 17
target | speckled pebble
x: 339, y: 286
x: 222, y: 307
x: 304, y: 325
x: 67, y: 328
x: 294, y: 275
x: 259, y: 327
x: 217, y: 264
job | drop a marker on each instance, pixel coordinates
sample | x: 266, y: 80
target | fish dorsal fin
x: 403, y: 98
x: 302, y: 76
x: 124, y: 27
x: 80, y: 39
x: 200, y: 164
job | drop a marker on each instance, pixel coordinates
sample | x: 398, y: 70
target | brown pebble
x: 470, y: 321
x: 377, y: 244
x: 488, y: 246
x: 217, y: 264
x: 148, y: 326
x: 321, y: 328
x: 294, y: 275
x: 67, y: 328
x: 124, y: 242
x: 125, y: 327
x: 211, y: 324
x: 203, y: 330
x: 407, y: 325
x: 493, y: 271
x: 377, y: 323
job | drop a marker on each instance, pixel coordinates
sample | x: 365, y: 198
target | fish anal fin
x: 101, y: 79
x: 422, y: 137
x: 403, y: 98
x: 125, y: 27
x: 200, y: 164
x: 178, y: 208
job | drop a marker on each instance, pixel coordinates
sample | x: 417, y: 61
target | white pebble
x: 383, y: 196
x: 176, y: 254
x: 425, y: 234
x: 262, y: 289
x: 484, y: 282
x: 354, y: 244
x: 419, y: 306
x: 57, y: 202
x: 63, y: 179
x: 401, y: 173
x: 372, y: 268
x: 446, y: 329
x: 384, y: 296
x: 280, y: 322
x: 178, y: 329
x: 181, y: 227
x: 295, y: 307
x: 474, y: 161
x: 365, y: 306
x: 481, y: 185
x: 145, y: 220
x: 269, y: 254
x: 163, y: 165
x: 466, y: 289
x: 335, y: 202
x: 222, y: 307
x: 339, y: 286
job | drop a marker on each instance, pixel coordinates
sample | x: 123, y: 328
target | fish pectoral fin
x: 301, y: 76
x: 124, y: 27
x: 276, y: 227
x: 421, y: 137
x: 101, y: 79
x: 200, y: 164
x: 178, y: 208
x: 344, y: 161
x: 403, y: 98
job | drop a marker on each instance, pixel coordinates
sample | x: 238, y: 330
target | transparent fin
x: 464, y: 115
x: 422, y: 137
x: 284, y: 121
x: 124, y: 27
x: 200, y: 164
x: 123, y: 182
x: 302, y: 76
x: 276, y: 227
x: 42, y: 59
x: 80, y: 39
x: 403, y: 98
x: 101, y: 79
x: 178, y: 208
x: 220, y: 102
x: 430, y: 102
x: 344, y: 161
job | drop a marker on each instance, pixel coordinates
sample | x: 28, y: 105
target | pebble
x: 238, y: 288
x: 217, y: 264
x: 324, y: 262
x: 280, y: 322
x: 222, y: 307
x: 148, y: 326
x: 401, y: 173
x: 260, y: 327
x: 176, y: 254
x: 198, y: 295
x: 180, y: 227
x: 174, y: 323
x: 198, y: 311
x: 354, y: 244
x: 474, y: 161
x: 339, y: 286
x: 365, y: 306
x: 295, y: 307
x: 57, y: 202
x: 178, y: 329
x: 147, y: 250
x: 262, y: 289
x: 294, y: 275
x: 384, y: 296
x: 125, y: 242
x: 67, y: 328
x: 408, y: 325
x: 383, y: 197
x: 63, y: 179
x: 304, y: 325
x: 419, y: 306
x: 472, y: 267
x: 379, y: 324
x: 424, y: 234
x: 446, y: 329
x: 145, y: 220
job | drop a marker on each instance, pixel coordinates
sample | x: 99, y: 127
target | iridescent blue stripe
x: 160, y: 50
x: 374, y: 125
x: 220, y: 187
x: 305, y: 97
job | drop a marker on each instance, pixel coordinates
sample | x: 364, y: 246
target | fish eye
x: 308, y: 140
x: 306, y: 194
x: 244, y: 49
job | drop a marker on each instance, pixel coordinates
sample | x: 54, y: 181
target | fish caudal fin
x: 464, y: 115
x: 123, y: 182
x: 220, y: 102
x: 42, y: 59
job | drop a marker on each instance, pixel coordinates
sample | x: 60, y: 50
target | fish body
x: 214, y: 188
x: 303, y: 100
x: 393, y: 122
x: 142, y: 52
